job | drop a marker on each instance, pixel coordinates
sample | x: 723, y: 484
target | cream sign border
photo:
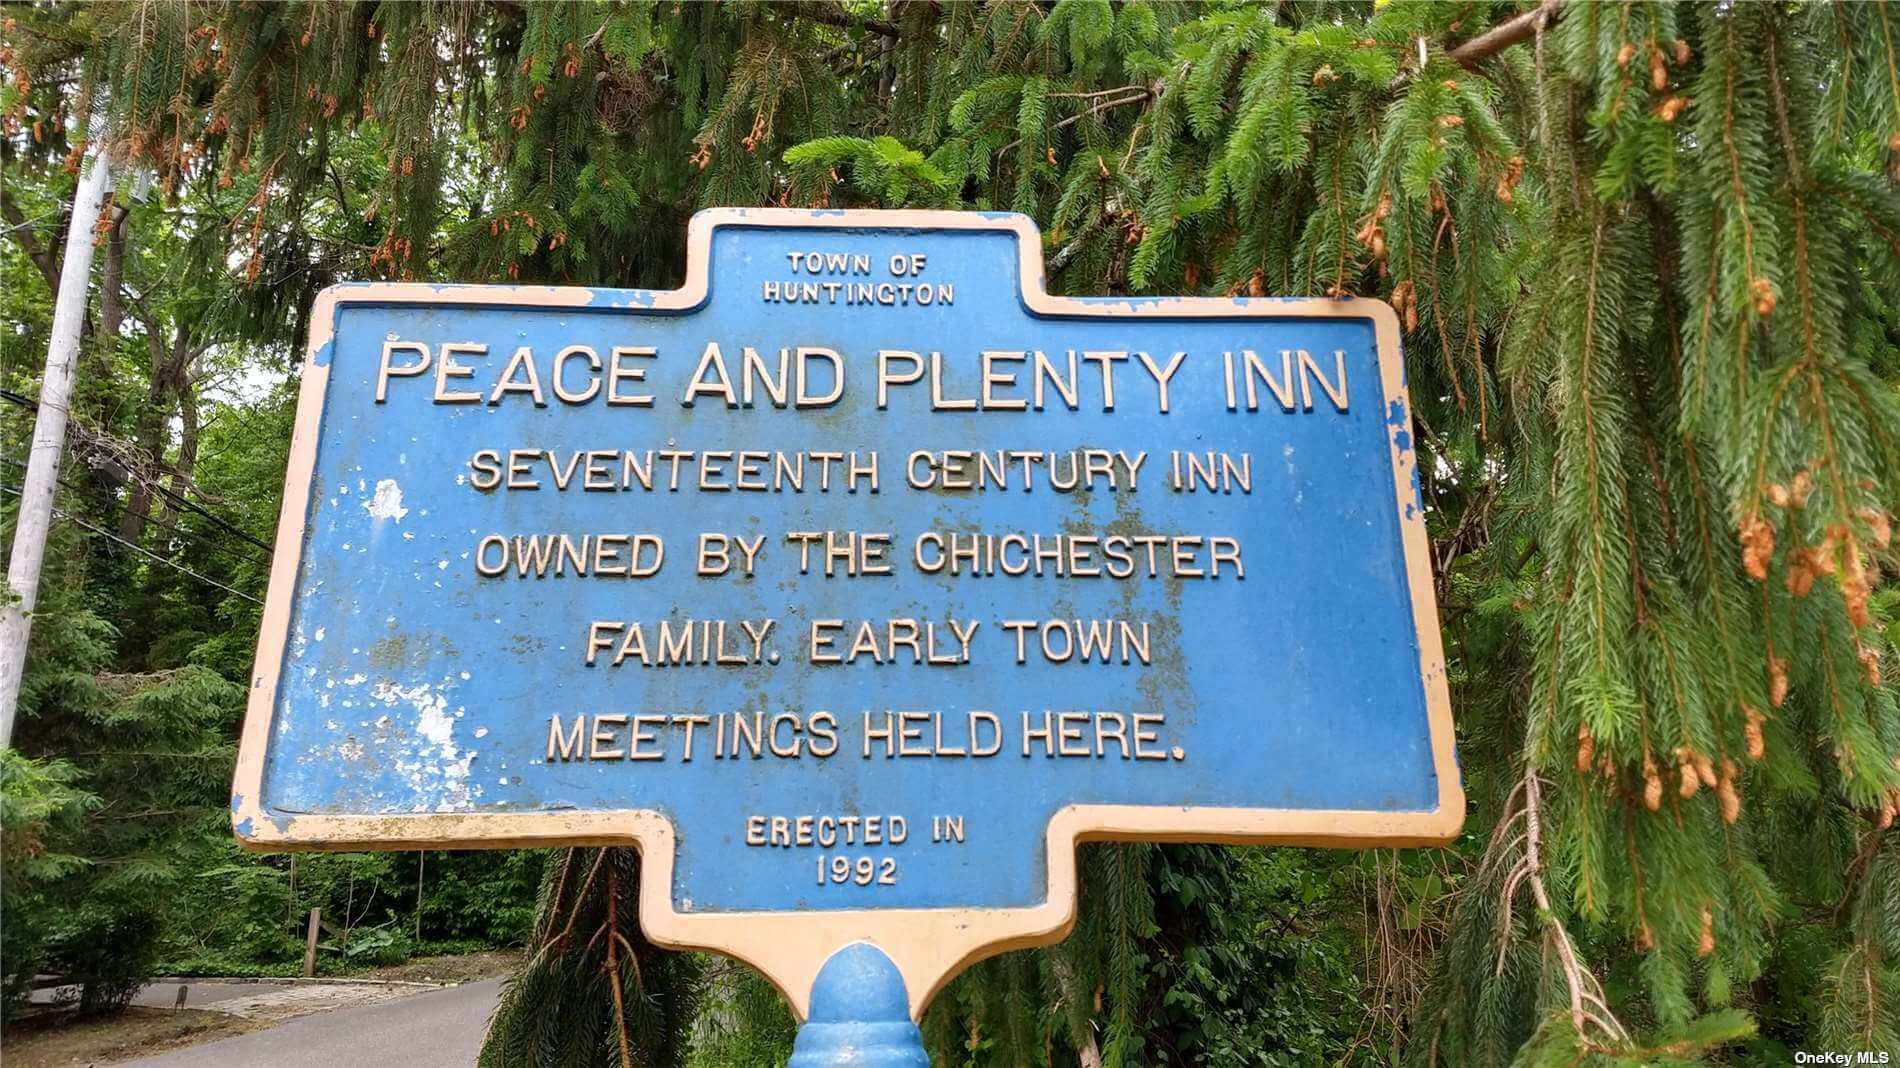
x: 929, y: 946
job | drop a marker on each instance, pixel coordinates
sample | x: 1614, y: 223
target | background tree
x: 1645, y: 259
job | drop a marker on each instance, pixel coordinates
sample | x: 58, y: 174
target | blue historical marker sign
x: 854, y: 582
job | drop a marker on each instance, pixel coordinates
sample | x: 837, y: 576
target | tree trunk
x: 167, y: 381
x: 43, y: 257
x: 112, y: 280
x: 187, y: 392
x: 143, y: 466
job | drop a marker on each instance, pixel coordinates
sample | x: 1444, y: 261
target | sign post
x: 854, y: 583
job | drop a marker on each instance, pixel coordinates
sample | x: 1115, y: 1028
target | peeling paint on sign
x: 387, y: 504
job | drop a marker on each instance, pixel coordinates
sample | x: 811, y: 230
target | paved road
x: 439, y: 1029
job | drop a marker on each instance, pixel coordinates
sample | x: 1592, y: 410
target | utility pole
x: 49, y: 439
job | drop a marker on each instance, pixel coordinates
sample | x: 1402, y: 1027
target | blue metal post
x: 860, y: 1015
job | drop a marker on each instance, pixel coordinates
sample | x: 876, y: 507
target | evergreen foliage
x: 1647, y: 262
x: 36, y: 797
x: 593, y: 989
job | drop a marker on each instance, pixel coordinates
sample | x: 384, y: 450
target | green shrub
x: 38, y: 803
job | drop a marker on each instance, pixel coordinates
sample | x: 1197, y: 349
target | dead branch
x: 1137, y: 95
x: 1514, y: 30
x: 1585, y: 993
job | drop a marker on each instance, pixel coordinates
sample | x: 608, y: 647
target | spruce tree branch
x: 832, y: 14
x: 558, y: 943
x: 1096, y: 93
x: 1855, y: 868
x: 613, y: 969
x: 1135, y: 95
x: 1514, y: 30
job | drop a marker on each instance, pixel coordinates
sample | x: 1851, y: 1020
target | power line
x: 154, y: 484
x: 219, y: 521
x: 24, y: 224
x: 16, y: 491
x: 78, y: 489
x: 21, y: 464
x: 173, y: 496
x: 25, y: 401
